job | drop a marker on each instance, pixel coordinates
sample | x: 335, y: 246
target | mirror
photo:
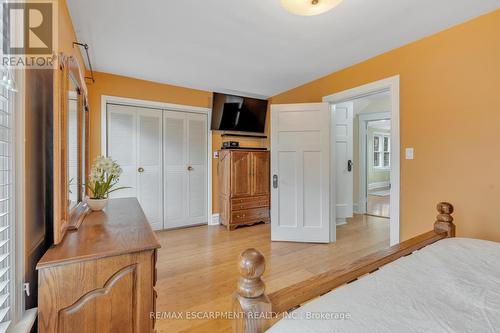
x: 71, y: 129
x: 72, y: 144
x: 84, y: 152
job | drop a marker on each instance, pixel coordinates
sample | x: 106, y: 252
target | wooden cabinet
x: 260, y: 173
x: 241, y: 169
x: 243, y: 187
x: 101, y: 277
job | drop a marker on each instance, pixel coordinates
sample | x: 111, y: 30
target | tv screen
x: 236, y: 113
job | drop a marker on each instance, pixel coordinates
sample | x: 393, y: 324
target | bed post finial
x: 444, y: 220
x: 250, y: 304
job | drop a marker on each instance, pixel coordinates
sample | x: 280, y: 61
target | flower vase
x: 97, y: 204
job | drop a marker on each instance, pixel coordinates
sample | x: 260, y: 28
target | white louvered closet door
x: 197, y: 168
x: 135, y: 142
x: 185, y: 169
x: 149, y: 159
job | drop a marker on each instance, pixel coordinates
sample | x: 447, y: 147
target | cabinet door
x: 241, y: 166
x: 260, y: 173
x: 109, y: 295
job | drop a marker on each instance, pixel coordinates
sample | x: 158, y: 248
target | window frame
x: 19, y: 318
x: 12, y: 245
x: 18, y: 136
x: 381, y: 151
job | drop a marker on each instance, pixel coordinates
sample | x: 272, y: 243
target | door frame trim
x: 364, y: 118
x: 393, y: 85
x: 107, y: 99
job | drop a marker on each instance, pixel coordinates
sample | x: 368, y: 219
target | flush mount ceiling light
x: 309, y: 7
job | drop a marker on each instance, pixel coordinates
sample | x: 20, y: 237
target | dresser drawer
x: 249, y: 215
x: 248, y: 203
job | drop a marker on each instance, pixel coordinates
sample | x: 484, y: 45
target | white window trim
x: 13, y: 249
x: 21, y: 320
x: 381, y: 136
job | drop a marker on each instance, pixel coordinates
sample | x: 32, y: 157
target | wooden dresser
x: 243, y: 187
x: 101, y: 277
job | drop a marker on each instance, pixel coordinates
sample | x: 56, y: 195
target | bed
x: 431, y: 283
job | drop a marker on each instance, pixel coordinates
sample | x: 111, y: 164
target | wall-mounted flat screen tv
x: 236, y: 113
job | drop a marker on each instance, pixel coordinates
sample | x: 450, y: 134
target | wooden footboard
x: 254, y: 309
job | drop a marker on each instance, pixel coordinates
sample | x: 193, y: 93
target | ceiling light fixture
x: 309, y: 7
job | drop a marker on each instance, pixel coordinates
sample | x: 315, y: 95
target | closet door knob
x: 141, y: 169
x: 190, y: 168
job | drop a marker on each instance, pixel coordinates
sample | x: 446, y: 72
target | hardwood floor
x: 378, y: 206
x: 197, y: 269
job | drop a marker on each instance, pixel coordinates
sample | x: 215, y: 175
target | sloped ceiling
x: 252, y: 47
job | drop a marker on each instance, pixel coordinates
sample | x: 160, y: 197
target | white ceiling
x: 252, y: 47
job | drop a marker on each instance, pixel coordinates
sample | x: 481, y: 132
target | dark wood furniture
x: 256, y: 309
x: 101, y: 277
x: 243, y: 187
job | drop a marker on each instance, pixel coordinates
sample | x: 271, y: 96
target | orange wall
x: 66, y: 33
x: 121, y: 86
x: 450, y: 114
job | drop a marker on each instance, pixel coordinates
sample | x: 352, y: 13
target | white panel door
x: 344, y: 181
x: 135, y: 142
x: 185, y: 169
x: 300, y: 166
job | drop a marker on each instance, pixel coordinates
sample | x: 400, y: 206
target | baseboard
x: 355, y: 208
x: 215, y: 220
x: 373, y: 186
x: 341, y: 221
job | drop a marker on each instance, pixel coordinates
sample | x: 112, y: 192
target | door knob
x: 349, y: 165
x: 141, y: 169
x: 190, y: 168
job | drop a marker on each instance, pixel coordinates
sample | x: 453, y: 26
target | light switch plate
x: 409, y: 153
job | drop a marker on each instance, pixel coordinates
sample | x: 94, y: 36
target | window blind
x: 6, y: 205
x: 6, y: 195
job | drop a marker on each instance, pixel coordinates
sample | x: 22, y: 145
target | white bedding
x: 450, y: 286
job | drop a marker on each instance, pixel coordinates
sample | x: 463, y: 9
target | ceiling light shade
x: 309, y: 7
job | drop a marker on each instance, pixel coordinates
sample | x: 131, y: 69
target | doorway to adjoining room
x: 378, y: 167
x: 363, y: 144
x: 372, y: 154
